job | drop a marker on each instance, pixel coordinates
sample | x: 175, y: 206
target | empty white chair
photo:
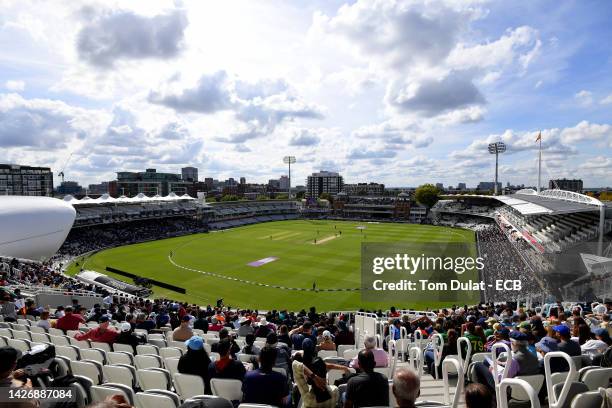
x: 59, y: 340
x: 535, y: 381
x: 597, y: 377
x: 245, y: 358
x: 327, y: 353
x: 343, y: 347
x: 171, y: 365
x: 119, y: 357
x: 123, y: 347
x: 350, y: 354
x: 94, y: 354
x: 6, y: 332
x: 103, y: 346
x: 148, y: 400
x: 147, y: 361
x: 22, y: 335
x: 590, y: 399
x: 147, y: 349
x: 55, y: 332
x: 167, y: 352
x: 182, y: 346
x: 226, y: 388
x: 255, y: 406
x: 37, y: 329
x: 88, y: 369
x: 516, y: 383
x: 82, y: 344
x: 70, y: 352
x: 120, y: 374
x: 40, y: 337
x: 153, y: 379
x: 21, y: 345
x: 187, y: 385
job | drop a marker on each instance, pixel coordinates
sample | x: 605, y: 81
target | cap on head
x: 518, y: 336
x: 547, y: 344
x: 103, y: 319
x: 195, y: 343
x: 562, y: 329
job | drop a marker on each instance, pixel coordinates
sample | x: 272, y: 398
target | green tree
x: 281, y: 196
x: 326, y: 196
x: 229, y: 197
x: 300, y: 195
x: 427, y: 194
x: 262, y: 198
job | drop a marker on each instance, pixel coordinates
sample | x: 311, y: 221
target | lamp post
x: 289, y: 160
x: 496, y: 148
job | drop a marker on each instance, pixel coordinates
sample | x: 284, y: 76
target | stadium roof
x: 140, y: 198
x: 547, y: 202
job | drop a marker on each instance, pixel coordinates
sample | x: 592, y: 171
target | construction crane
x: 61, y: 173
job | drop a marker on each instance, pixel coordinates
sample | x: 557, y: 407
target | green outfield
x: 216, y: 265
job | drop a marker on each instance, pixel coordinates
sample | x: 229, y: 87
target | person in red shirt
x: 101, y: 334
x: 70, y: 320
x: 215, y: 326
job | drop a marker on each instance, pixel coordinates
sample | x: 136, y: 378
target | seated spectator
x: 70, y: 320
x: 11, y: 378
x: 544, y: 346
x: 327, y: 342
x: 196, y: 361
x: 299, y: 334
x: 283, y: 353
x: 264, y: 385
x: 201, y: 323
x: 145, y: 323
x: 250, y: 348
x: 224, y: 335
x: 598, y: 345
x: 562, y: 334
x: 369, y: 388
x: 127, y: 336
x: 344, y: 335
x: 263, y: 329
x: 381, y: 358
x: 283, y: 335
x: 478, y: 396
x: 245, y: 327
x: 501, y: 335
x: 101, y: 334
x: 310, y: 378
x: 9, y: 310
x: 523, y: 362
x: 449, y: 348
x: 406, y: 387
x: 225, y: 367
x: 215, y: 326
x: 44, y: 320
x: 184, y: 332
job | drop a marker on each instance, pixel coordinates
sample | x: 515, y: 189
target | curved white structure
x: 33, y: 227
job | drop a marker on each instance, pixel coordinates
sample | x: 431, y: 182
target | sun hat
x: 125, y: 327
x: 547, y: 344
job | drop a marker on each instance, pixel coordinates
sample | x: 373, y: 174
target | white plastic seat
x: 22, y: 335
x: 6, y: 332
x: 535, y: 381
x: 21, y: 345
x: 123, y: 347
x: 327, y: 353
x: 226, y: 388
x: 245, y: 358
x: 119, y: 374
x: 590, y: 399
x: 255, y: 406
x: 597, y: 377
x: 82, y: 344
x: 343, y: 347
x: 147, y: 361
x: 71, y: 333
x: 188, y: 385
x: 101, y: 392
x: 40, y: 337
x: 94, y: 354
x: 59, y: 340
x: 171, y: 365
x: 334, y: 374
x: 153, y: 379
x: 182, y: 346
x: 70, y: 352
x: 148, y: 400
x: 119, y: 357
x: 147, y: 349
x: 350, y: 354
x: 55, y: 332
x: 99, y: 345
x: 168, y: 352
x: 173, y: 395
x: 88, y: 369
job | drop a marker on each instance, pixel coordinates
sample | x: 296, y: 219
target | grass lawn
x: 333, y: 262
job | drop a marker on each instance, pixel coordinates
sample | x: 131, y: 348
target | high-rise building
x: 440, y: 186
x: 95, y: 189
x: 323, y: 182
x: 25, y: 180
x: 243, y: 180
x: 210, y: 183
x: 566, y: 184
x: 364, y: 189
x: 461, y: 186
x: 283, y: 183
x: 189, y: 174
x: 70, y: 187
x: 488, y: 186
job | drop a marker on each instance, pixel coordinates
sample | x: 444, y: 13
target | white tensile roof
x: 140, y: 198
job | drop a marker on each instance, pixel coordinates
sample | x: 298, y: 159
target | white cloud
x: 584, y: 98
x: 607, y: 100
x: 14, y: 85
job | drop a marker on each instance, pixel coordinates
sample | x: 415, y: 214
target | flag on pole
x: 539, y: 136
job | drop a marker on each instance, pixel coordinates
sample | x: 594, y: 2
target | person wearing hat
x: 215, y: 326
x: 544, y: 346
x: 184, y: 332
x: 196, y: 361
x: 245, y: 327
x: 522, y: 363
x: 263, y: 329
x: 598, y: 345
x: 127, y: 336
x: 566, y: 344
x: 101, y: 334
x: 501, y: 335
x: 326, y: 342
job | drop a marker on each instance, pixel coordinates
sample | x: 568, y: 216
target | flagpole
x: 540, y: 163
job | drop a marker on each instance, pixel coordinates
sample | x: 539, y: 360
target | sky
x: 397, y: 92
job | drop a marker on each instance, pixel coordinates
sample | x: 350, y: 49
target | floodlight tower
x: 289, y: 160
x: 496, y: 148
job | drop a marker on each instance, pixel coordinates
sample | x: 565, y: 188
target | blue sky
x: 399, y: 92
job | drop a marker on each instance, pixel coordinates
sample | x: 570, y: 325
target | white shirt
x: 594, y: 347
